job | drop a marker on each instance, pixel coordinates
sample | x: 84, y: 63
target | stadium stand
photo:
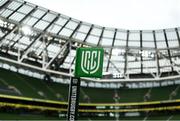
x: 36, y: 88
x: 141, y: 72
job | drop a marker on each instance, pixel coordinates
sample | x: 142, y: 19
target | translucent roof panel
x: 55, y: 38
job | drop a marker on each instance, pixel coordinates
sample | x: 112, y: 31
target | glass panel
x: 160, y: 36
x: 25, y: 9
x: 105, y: 42
x: 179, y: 31
x: 133, y: 55
x: 20, y: 45
x: 132, y: 43
x: 66, y: 32
x: 38, y: 13
x: 13, y: 36
x: 92, y: 39
x: 6, y: 13
x: 80, y: 36
x: 53, y: 47
x: 117, y: 58
x: 160, y: 40
x: 30, y: 21
x: 149, y: 64
x: 2, y: 2
x: 149, y: 70
x: 173, y: 43
x: 120, y: 42
x: 171, y: 35
x: 148, y: 39
x: 17, y: 16
x: 117, y: 54
x: 1, y: 33
x: 133, y: 62
x: 121, y: 35
x: 134, y: 36
x: 108, y: 33
x: 133, y: 71
x: 38, y: 47
x: 165, y: 69
x: 84, y: 28
x: 161, y: 44
x: 49, y: 17
x: 25, y: 40
x: 164, y: 62
x: 41, y: 25
x: 106, y: 57
x: 172, y: 38
x: 96, y: 31
x: 14, y: 5
x: 72, y: 25
x: 147, y: 36
x: 61, y: 21
x: 113, y: 69
x: 149, y: 44
x: 54, y: 28
x: 119, y: 65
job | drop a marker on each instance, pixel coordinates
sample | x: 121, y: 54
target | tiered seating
x: 162, y: 94
x: 36, y: 88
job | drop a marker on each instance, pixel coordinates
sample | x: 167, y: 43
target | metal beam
x: 126, y: 53
x: 2, y: 39
x: 5, y: 4
x: 32, y: 11
x: 77, y: 27
x: 52, y: 22
x: 169, y: 53
x: 45, y: 54
x: 55, y: 19
x: 100, y: 38
x: 16, y: 28
x: 70, y: 37
x: 66, y: 46
x: 23, y: 20
x: 62, y: 37
x: 59, y: 52
x: 40, y: 18
x: 39, y: 36
x: 11, y: 46
x: 64, y: 26
x: 16, y: 10
x: 88, y: 79
x: 40, y: 53
x: 141, y: 45
x: 110, y: 62
x: 88, y: 33
x: 157, y: 56
x: 107, y: 68
x: 178, y: 37
x: 27, y: 50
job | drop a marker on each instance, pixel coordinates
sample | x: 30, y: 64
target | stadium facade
x: 41, y: 43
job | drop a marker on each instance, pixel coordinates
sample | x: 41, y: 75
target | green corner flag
x: 89, y: 62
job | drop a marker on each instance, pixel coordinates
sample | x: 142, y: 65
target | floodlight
x: 26, y: 30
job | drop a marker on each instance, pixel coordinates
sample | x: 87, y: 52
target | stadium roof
x: 128, y: 14
x: 42, y: 39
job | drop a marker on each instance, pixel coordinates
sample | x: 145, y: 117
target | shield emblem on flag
x: 89, y: 62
